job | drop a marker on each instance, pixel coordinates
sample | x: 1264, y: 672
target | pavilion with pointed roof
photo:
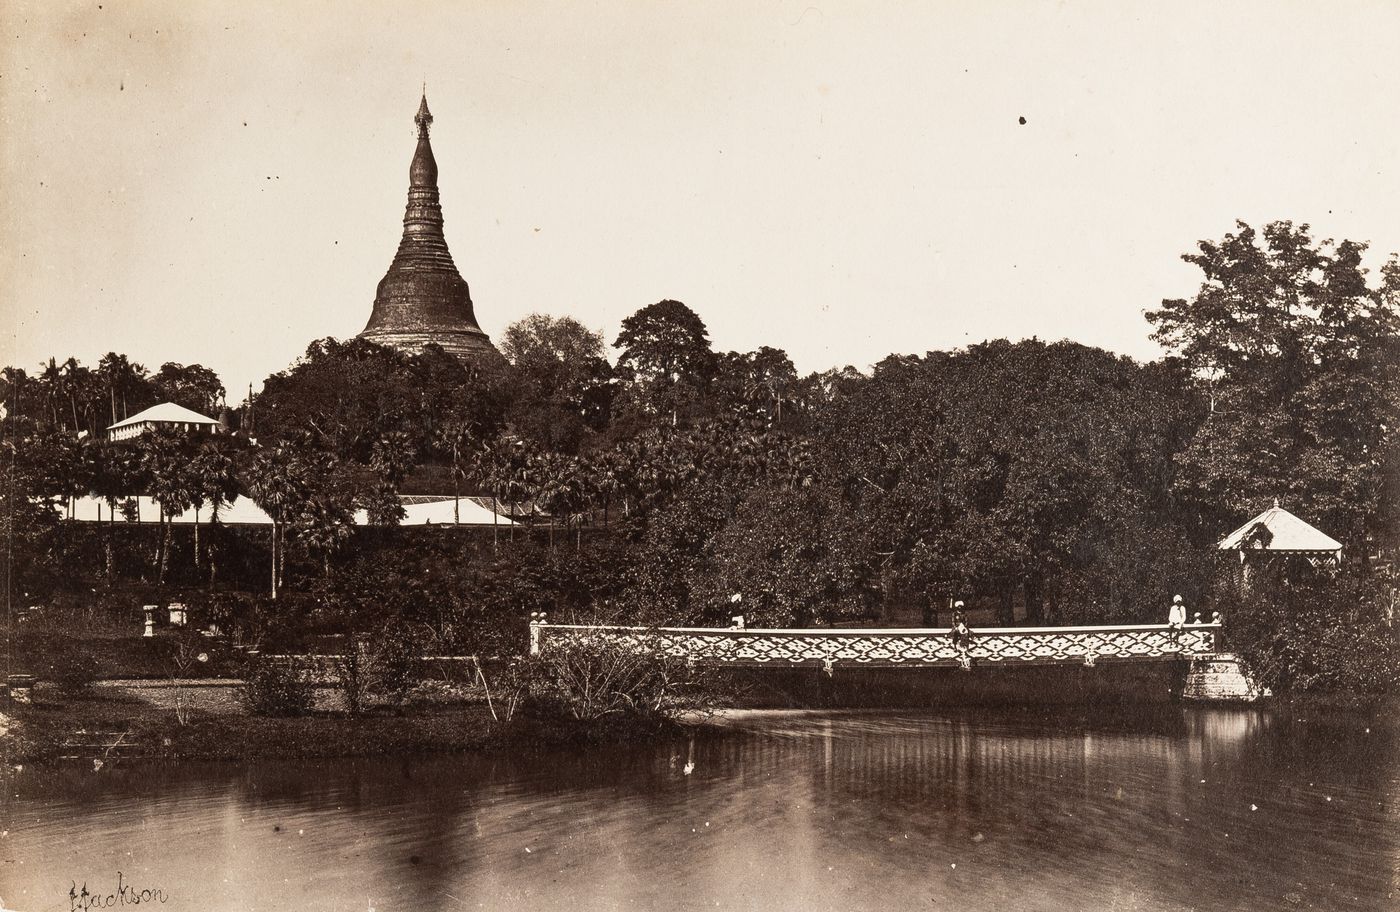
x: 1278, y: 532
x: 423, y: 299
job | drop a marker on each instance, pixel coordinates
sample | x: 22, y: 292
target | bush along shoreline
x: 284, y: 710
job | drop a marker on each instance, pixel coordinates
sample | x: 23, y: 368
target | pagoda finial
x: 424, y: 117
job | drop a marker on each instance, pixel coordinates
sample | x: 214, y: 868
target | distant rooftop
x: 165, y: 413
x: 418, y: 511
x: 1278, y: 530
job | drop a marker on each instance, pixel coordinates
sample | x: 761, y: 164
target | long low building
x: 165, y: 416
x: 419, y: 511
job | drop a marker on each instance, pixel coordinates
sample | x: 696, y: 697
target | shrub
x: 276, y: 689
x: 592, y: 681
x: 394, y: 660
x: 73, y: 669
x: 382, y: 665
x: 1326, y: 636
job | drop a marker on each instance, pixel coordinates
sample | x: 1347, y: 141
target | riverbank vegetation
x: 296, y: 707
x: 1049, y: 483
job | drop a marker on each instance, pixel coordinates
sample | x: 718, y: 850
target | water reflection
x: 1167, y: 808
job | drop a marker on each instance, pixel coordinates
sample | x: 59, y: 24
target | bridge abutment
x: 1220, y: 678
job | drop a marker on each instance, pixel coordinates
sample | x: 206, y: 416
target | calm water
x: 1159, y: 809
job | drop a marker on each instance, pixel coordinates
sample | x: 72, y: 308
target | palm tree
x: 521, y: 480
x: 51, y: 383
x: 111, y: 480
x: 214, y: 480
x: 121, y: 377
x: 108, y: 368
x: 484, y: 472
x: 72, y: 383
x: 504, y: 469
x: 547, y: 480
x: 393, y: 457
x: 323, y: 526
x: 567, y: 495
x: 13, y: 381
x: 325, y: 517
x: 163, y: 456
x: 274, y: 485
x: 75, y: 470
x: 454, y: 435
x: 603, y: 475
x: 89, y: 394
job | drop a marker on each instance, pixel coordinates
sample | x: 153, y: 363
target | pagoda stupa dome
x: 423, y: 299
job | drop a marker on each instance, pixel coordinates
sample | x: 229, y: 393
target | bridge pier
x: 1220, y: 679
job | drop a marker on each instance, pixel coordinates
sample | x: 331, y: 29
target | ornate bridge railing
x: 892, y: 647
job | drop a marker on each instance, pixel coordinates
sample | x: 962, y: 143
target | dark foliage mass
x: 276, y: 689
x: 1049, y: 483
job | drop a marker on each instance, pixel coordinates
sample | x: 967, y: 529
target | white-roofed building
x: 418, y: 511
x: 167, y: 415
x: 1278, y: 532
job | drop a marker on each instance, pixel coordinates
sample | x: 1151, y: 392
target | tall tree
x: 999, y: 469
x: 1298, y: 352
x: 126, y: 383
x: 194, y: 386
x: 213, y: 480
x: 114, y: 477
x: 562, y: 380
x: 276, y: 482
x: 324, y: 519
x: 50, y: 383
x: 392, y: 459
x: 165, y: 459
x: 666, y: 358
x: 455, y: 436
x: 484, y: 468
x: 757, y: 384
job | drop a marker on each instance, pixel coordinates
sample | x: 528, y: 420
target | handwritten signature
x: 80, y: 899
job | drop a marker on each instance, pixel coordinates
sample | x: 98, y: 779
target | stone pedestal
x: 1220, y: 679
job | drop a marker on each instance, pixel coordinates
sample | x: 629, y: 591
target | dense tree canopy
x: 352, y: 395
x: 193, y: 386
x: 666, y: 362
x: 1044, y: 482
x: 562, y: 381
x: 1300, y: 357
x: 1011, y: 469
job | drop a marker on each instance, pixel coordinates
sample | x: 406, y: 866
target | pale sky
x: 224, y: 182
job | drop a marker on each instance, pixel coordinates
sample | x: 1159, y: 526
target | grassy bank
x: 87, y: 724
